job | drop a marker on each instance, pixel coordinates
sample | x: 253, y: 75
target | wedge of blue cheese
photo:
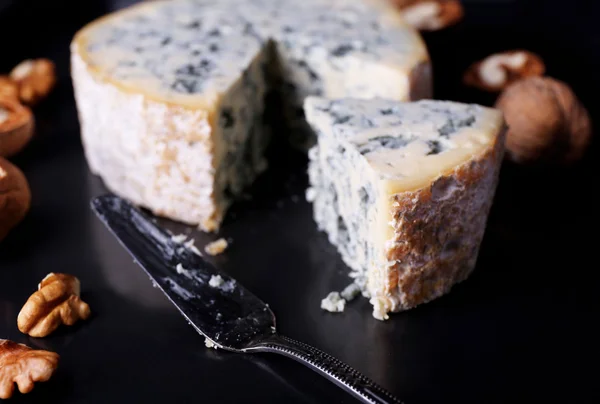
x: 172, y: 94
x: 404, y: 191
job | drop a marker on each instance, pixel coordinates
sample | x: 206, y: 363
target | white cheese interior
x: 206, y: 68
x: 242, y: 134
x: 368, y: 151
x: 188, y: 51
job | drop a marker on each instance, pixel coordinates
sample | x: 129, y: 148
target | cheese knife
x: 227, y: 314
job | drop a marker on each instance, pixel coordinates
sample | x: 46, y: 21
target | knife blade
x: 228, y: 315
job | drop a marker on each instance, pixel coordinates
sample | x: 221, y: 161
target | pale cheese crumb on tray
x: 216, y: 247
x: 178, y: 238
x: 181, y: 270
x: 215, y: 281
x: 209, y: 343
x: 333, y: 303
x: 190, y: 244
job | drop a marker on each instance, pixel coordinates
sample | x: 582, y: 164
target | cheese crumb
x: 209, y: 343
x: 179, y: 238
x: 181, y: 270
x: 216, y: 247
x: 216, y: 281
x: 190, y: 245
x: 333, y: 303
x: 350, y: 292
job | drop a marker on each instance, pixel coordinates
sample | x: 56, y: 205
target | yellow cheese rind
x: 154, y: 154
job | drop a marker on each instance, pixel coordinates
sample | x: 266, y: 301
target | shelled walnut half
x: 499, y: 70
x: 24, y: 366
x: 15, y: 197
x: 430, y: 15
x: 56, y: 302
x: 16, y: 126
x: 35, y: 78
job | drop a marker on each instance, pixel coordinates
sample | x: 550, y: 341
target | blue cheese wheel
x: 172, y: 95
x: 404, y: 191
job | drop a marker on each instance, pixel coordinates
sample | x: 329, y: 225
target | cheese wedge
x: 172, y: 95
x: 404, y: 191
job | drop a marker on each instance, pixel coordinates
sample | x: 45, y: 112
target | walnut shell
x: 16, y: 127
x: 547, y: 123
x: 15, y: 197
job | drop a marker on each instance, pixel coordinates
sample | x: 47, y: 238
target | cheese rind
x: 404, y: 190
x: 154, y: 154
x: 172, y: 95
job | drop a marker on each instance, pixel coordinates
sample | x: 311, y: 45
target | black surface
x: 522, y: 328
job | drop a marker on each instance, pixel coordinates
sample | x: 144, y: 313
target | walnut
x: 8, y: 88
x: 497, y: 71
x: 24, y: 366
x: 430, y: 15
x: 56, y: 302
x: 547, y: 123
x: 16, y: 127
x: 36, y: 78
x: 15, y: 197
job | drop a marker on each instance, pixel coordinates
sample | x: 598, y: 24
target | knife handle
x: 326, y: 365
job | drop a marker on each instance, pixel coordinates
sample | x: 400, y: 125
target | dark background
x: 522, y: 328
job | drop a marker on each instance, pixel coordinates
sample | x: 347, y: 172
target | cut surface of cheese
x: 404, y: 191
x: 172, y: 95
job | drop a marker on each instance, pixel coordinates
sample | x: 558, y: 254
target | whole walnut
x: 547, y: 123
x: 15, y: 197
